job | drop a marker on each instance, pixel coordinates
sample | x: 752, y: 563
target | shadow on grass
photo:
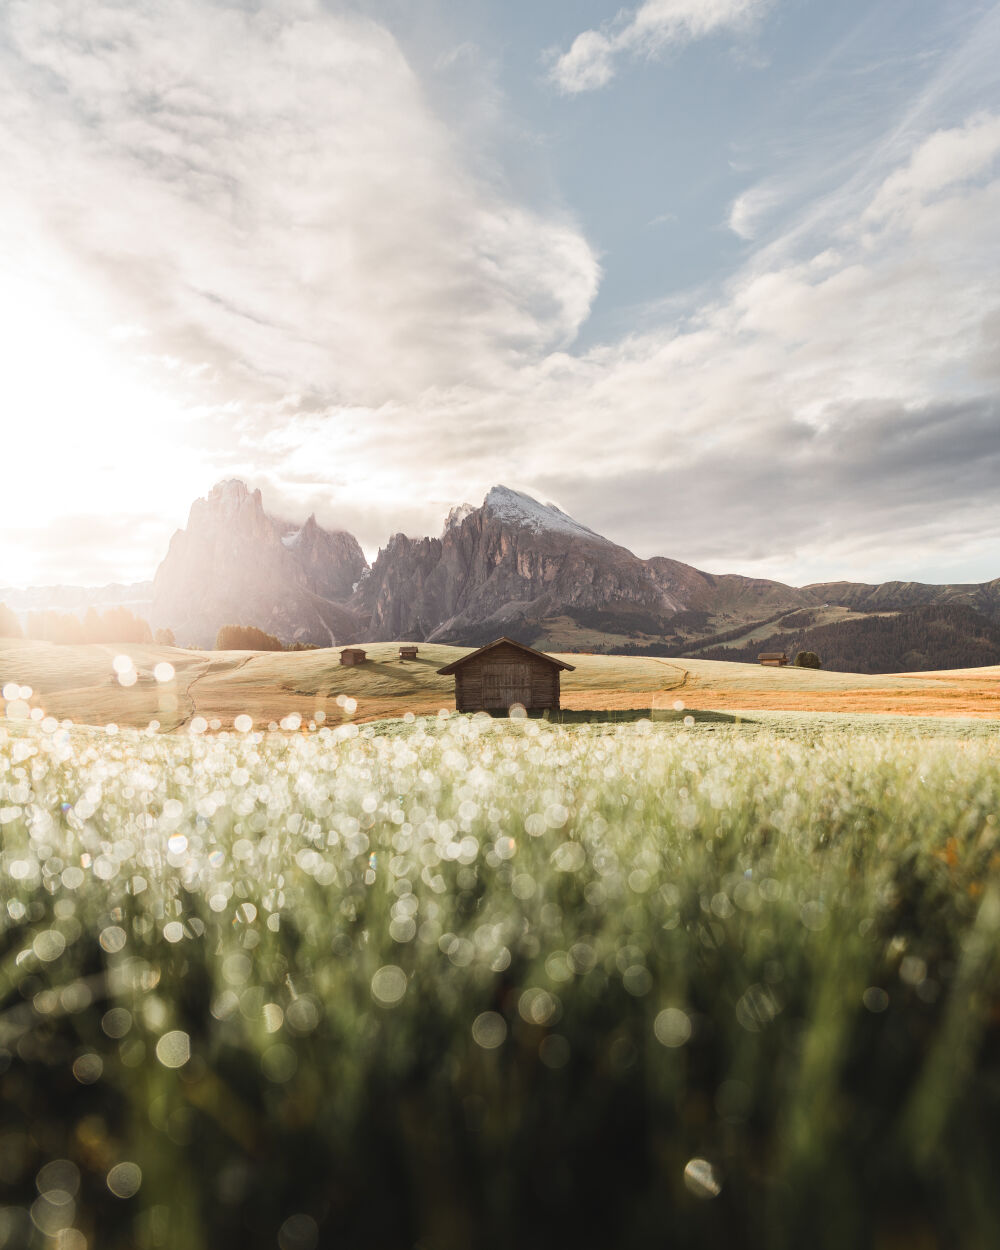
x: 626, y: 716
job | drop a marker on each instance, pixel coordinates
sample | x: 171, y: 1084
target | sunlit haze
x: 721, y: 278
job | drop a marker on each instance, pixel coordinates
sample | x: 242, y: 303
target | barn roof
x: 509, y: 642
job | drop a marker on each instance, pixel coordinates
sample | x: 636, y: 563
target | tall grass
x: 499, y: 984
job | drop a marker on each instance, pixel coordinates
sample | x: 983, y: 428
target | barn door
x: 506, y: 684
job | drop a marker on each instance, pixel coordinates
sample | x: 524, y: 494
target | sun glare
x: 86, y: 436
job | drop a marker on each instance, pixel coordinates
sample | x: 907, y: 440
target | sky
x: 721, y: 278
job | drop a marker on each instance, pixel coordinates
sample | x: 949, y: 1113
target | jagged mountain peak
x: 514, y: 507
x: 457, y: 515
x: 232, y: 490
x: 235, y: 564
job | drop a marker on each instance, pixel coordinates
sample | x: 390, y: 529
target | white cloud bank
x: 268, y: 189
x: 591, y: 60
x: 267, y: 231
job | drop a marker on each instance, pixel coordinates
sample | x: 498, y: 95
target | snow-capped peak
x: 516, y: 508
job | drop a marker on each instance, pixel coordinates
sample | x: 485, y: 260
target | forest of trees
x: 114, y: 625
x: 250, y: 638
x: 911, y: 641
x: 10, y: 626
x: 246, y: 638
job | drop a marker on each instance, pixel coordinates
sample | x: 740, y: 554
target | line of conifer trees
x: 116, y: 624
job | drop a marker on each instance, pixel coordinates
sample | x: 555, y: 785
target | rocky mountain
x: 235, y: 565
x: 528, y: 570
x: 511, y: 565
x: 502, y: 568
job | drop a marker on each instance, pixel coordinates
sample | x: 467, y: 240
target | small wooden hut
x: 352, y: 656
x: 408, y: 653
x: 505, y: 673
x: 773, y: 659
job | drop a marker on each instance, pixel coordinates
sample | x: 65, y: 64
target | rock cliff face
x: 502, y: 568
x: 235, y: 565
x: 510, y: 566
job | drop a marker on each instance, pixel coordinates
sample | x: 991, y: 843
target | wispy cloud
x: 277, y: 195
x: 272, y: 223
x: 591, y: 60
x: 749, y: 209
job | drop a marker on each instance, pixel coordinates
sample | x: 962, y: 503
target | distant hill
x: 923, y: 638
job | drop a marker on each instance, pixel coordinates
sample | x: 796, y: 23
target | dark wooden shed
x: 408, y: 653
x: 350, y: 656
x: 773, y: 659
x: 503, y: 673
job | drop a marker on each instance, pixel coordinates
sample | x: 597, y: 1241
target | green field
x: 461, y: 982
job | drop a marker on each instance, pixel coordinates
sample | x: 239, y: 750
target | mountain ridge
x: 511, y: 565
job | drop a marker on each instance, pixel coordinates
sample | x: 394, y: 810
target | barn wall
x: 503, y: 676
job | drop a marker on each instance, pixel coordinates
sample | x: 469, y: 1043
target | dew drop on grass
x: 88, y: 1068
x: 124, y: 1180
x: 113, y: 939
x: 174, y: 1049
x: 489, y: 1030
x: 48, y: 945
x: 299, y: 1232
x: 672, y: 1027
x: 59, y: 1176
x: 302, y: 1015
x: 702, y: 1179
x: 389, y: 985
x: 116, y: 1022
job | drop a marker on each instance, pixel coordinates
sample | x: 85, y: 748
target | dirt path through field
x: 677, y: 668
x: 210, y: 669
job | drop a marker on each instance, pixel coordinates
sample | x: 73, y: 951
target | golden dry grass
x: 78, y: 683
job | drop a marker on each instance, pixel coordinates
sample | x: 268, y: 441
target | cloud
x: 833, y: 413
x: 943, y: 161
x: 591, y: 59
x: 273, y: 198
x: 853, y: 499
x: 109, y: 547
x: 750, y: 207
x: 268, y: 226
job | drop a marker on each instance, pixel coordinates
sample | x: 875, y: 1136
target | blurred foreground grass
x: 479, y: 983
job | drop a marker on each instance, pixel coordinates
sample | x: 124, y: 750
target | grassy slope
x: 77, y: 683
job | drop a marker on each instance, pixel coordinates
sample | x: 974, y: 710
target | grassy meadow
x: 79, y: 684
x: 454, y: 981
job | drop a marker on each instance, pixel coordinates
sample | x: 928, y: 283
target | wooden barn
x: 351, y: 656
x: 408, y: 653
x: 773, y: 659
x: 503, y: 673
